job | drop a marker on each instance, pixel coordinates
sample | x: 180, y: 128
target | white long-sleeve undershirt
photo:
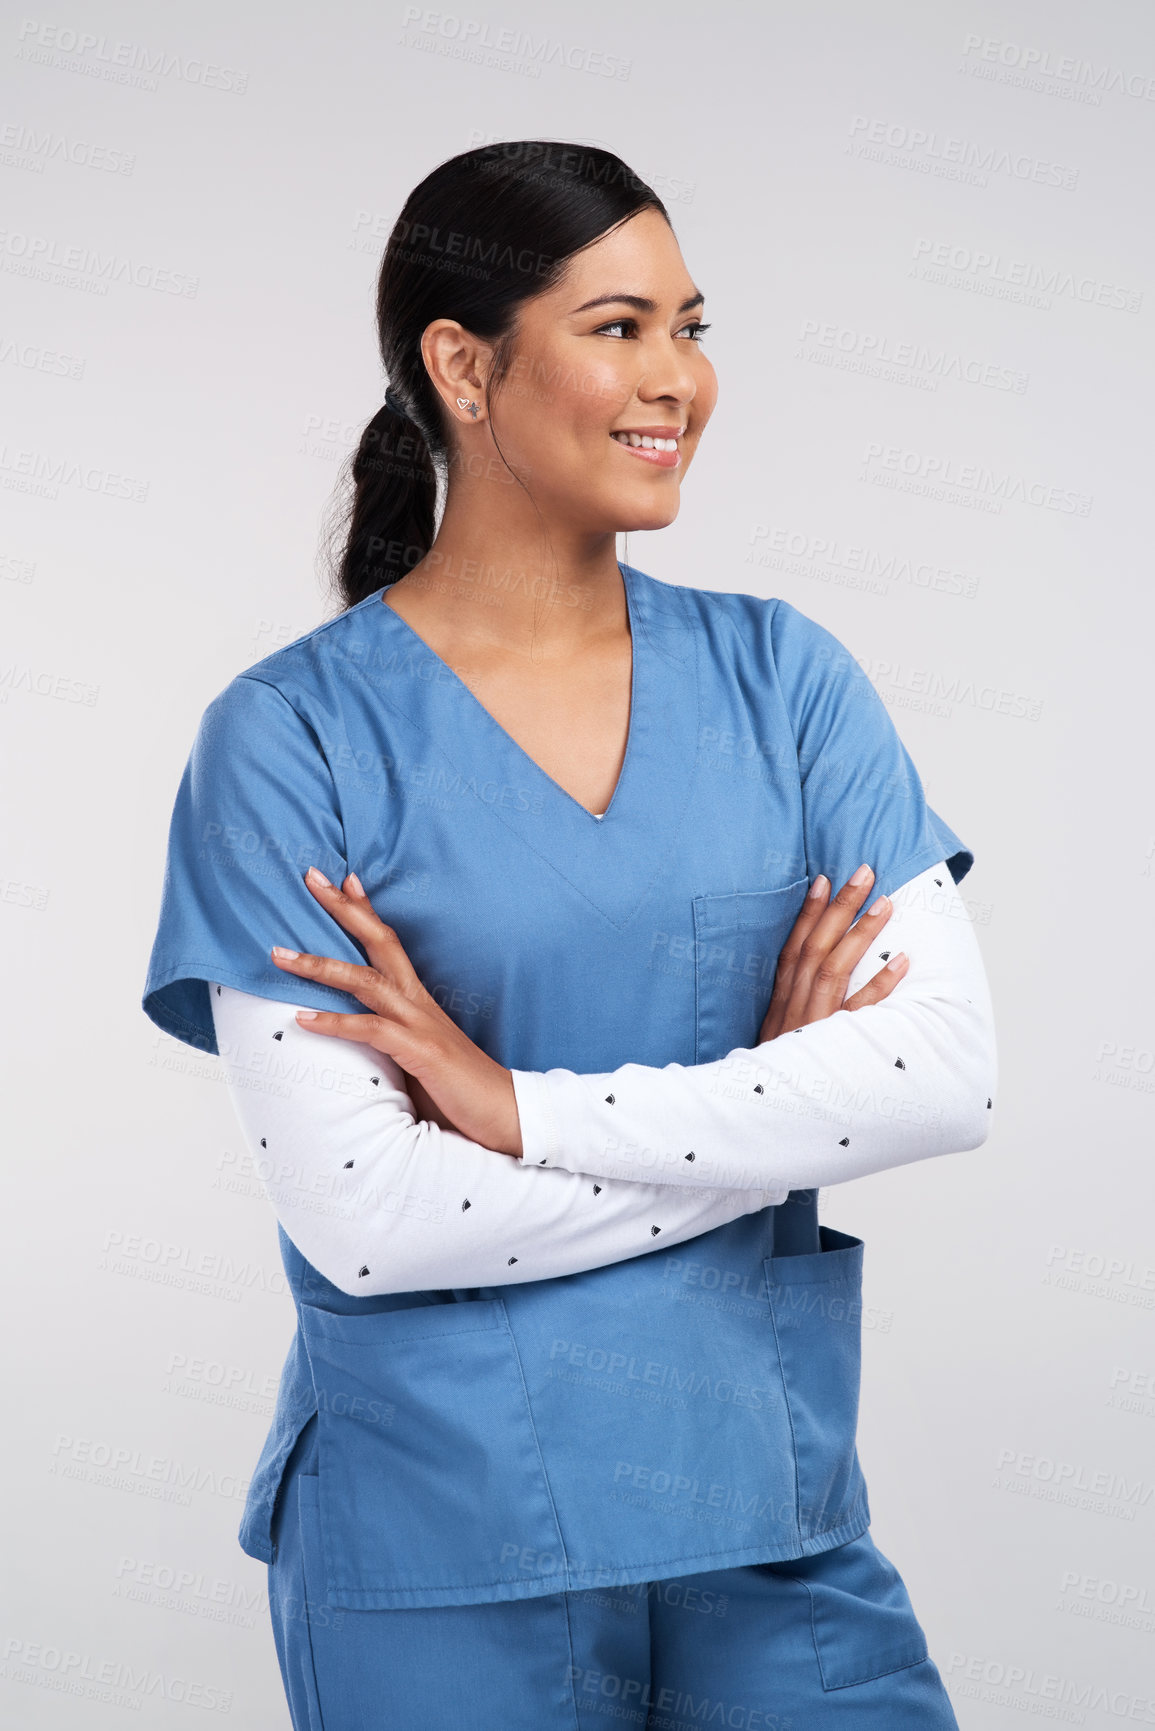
x: 380, y: 1202
x: 857, y: 1092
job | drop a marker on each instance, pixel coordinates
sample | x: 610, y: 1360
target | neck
x: 504, y: 586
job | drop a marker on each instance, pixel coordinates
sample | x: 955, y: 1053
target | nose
x: 667, y: 372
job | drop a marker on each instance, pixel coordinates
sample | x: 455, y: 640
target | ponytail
x: 389, y: 524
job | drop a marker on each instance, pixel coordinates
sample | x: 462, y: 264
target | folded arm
x: 854, y: 1093
x: 380, y: 1202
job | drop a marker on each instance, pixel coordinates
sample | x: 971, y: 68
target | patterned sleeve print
x: 379, y: 1202
x: 857, y: 1092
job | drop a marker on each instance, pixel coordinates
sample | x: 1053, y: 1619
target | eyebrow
x: 639, y: 301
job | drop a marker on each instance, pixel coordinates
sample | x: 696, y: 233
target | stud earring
x: 464, y: 403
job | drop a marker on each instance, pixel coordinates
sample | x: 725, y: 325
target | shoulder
x: 299, y: 686
x: 733, y: 627
x: 708, y: 606
x: 311, y: 660
x: 764, y: 628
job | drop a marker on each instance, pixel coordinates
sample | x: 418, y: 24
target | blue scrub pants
x: 829, y: 1641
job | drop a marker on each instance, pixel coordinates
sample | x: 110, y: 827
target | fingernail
x: 318, y: 877
x: 861, y: 875
x: 285, y: 955
x: 817, y: 886
x: 307, y: 1015
x: 358, y: 888
x: 896, y: 962
x: 876, y: 907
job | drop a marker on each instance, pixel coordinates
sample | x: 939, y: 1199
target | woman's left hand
x: 406, y: 1022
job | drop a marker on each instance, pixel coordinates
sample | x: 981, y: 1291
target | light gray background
x: 817, y: 160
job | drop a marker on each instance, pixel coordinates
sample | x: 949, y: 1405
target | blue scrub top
x: 687, y: 1409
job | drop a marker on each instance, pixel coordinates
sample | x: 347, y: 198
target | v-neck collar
x: 611, y: 861
x: 632, y: 614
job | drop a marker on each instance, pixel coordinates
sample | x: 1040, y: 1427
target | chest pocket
x: 737, y: 940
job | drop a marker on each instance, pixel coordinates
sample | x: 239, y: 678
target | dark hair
x: 486, y: 231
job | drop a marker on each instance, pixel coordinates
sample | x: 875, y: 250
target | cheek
x: 706, y: 392
x: 591, y: 396
x: 565, y: 406
x: 584, y: 412
x: 588, y: 384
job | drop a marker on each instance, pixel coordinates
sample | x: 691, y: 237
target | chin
x: 656, y: 516
x: 624, y: 515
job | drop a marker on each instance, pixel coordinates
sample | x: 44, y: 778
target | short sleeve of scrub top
x: 862, y: 798
x: 255, y: 808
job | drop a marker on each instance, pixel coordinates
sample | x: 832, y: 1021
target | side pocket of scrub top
x: 430, y: 1483
x: 738, y: 936
x: 816, y: 1308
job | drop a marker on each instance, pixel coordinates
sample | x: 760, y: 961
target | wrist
x: 510, y: 1140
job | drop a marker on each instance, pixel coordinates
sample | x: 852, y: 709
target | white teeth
x: 646, y: 441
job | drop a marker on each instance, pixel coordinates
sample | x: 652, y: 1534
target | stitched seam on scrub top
x: 442, y: 1333
x: 536, y: 1441
x: 504, y: 1580
x: 573, y: 1664
x: 180, y: 1021
x: 789, y: 1419
x: 209, y: 971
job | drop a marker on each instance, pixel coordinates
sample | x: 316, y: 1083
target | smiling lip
x: 659, y: 459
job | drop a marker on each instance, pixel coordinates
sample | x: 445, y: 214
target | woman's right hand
x: 821, y: 953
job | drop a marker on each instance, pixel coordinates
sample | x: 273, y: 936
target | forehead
x: 640, y: 256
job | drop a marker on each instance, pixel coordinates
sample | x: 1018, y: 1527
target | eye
x: 694, y: 331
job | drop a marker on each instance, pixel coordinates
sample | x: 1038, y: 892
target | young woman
x: 543, y: 849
